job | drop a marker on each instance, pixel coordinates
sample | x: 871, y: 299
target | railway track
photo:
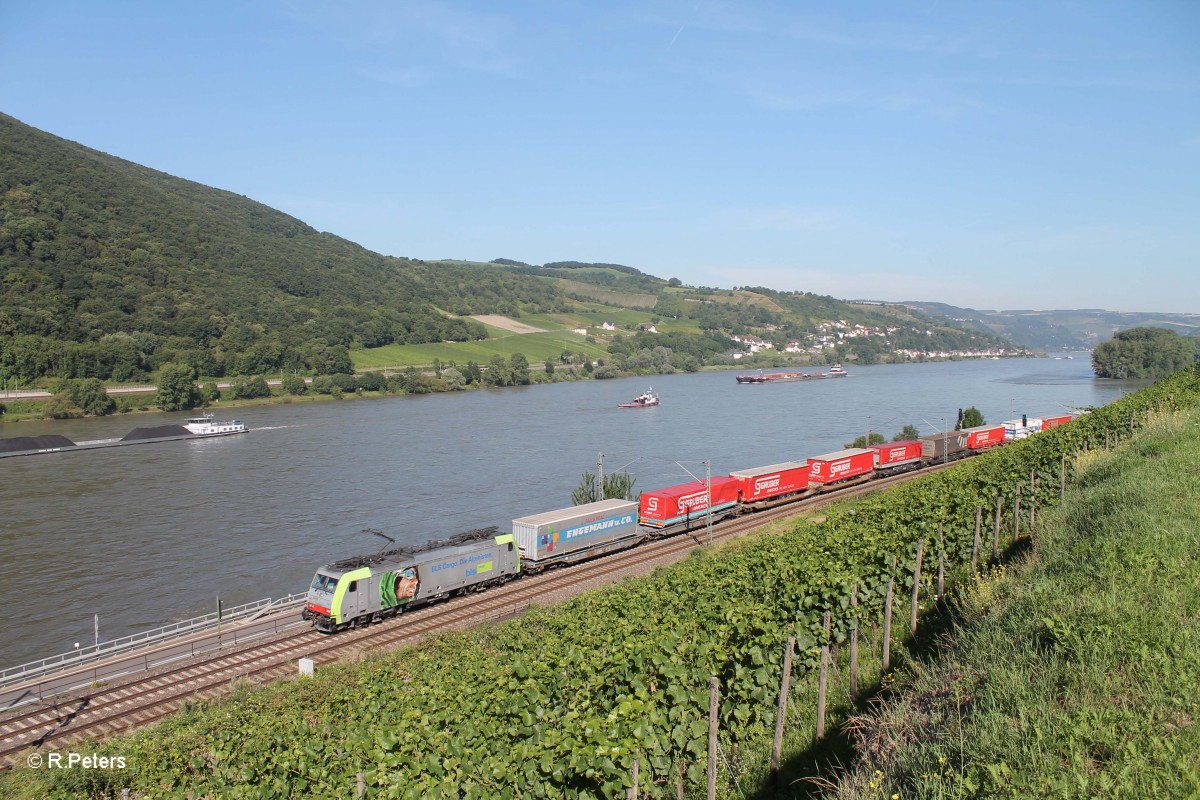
x: 135, y: 701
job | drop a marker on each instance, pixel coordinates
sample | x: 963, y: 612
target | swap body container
x: 558, y: 534
x: 776, y: 480
x: 1055, y: 421
x: 687, y: 501
x: 982, y: 437
x: 943, y: 446
x: 895, y: 454
x: 840, y: 466
x: 1021, y: 428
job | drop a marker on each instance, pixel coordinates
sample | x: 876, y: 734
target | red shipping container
x: 841, y: 465
x: 984, y: 436
x: 1054, y: 422
x: 894, y: 454
x: 688, y: 500
x: 763, y: 483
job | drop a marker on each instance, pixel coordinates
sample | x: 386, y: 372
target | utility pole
x: 600, y: 476
x: 708, y: 492
x: 97, y: 623
x: 867, y: 441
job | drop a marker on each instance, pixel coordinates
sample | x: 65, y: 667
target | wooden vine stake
x: 916, y: 592
x: 975, y: 549
x: 785, y: 686
x: 854, y: 644
x: 941, y: 579
x: 887, y: 619
x: 1032, y: 502
x: 823, y: 682
x: 996, y: 532
x: 1017, y: 514
x: 360, y: 787
x: 714, y: 694
x: 1062, y: 494
x: 632, y: 793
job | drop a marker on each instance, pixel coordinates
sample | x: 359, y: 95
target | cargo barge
x: 202, y: 427
x: 835, y: 371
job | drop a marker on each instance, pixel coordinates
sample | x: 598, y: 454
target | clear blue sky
x: 994, y: 155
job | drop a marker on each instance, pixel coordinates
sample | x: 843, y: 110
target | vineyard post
x: 887, y: 619
x: 823, y: 682
x: 714, y: 692
x: 854, y: 644
x: 633, y: 790
x: 1017, y: 514
x: 785, y: 685
x: 1131, y: 423
x: 941, y: 579
x: 916, y: 592
x: 1106, y: 443
x: 360, y: 787
x: 1063, y: 479
x: 975, y: 549
x: 1032, y: 500
x: 996, y: 532
x: 679, y: 770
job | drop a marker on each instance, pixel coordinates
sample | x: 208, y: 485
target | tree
x: 176, y: 388
x: 498, y: 372
x: 519, y: 369
x: 90, y: 396
x: 209, y: 393
x: 549, y: 366
x: 862, y: 441
x: 455, y: 380
x: 294, y: 384
x: 249, y: 388
x: 969, y: 418
x: 617, y: 486
x: 907, y: 433
x: 1144, y: 353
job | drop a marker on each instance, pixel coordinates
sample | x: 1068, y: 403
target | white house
x: 608, y: 326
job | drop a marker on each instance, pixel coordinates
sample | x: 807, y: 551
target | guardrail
x: 85, y: 655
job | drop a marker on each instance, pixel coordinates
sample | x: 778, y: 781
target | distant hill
x: 1063, y: 329
x: 109, y: 269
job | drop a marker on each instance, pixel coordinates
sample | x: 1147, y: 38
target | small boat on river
x: 644, y: 400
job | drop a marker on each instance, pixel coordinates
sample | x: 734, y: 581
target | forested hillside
x: 111, y: 269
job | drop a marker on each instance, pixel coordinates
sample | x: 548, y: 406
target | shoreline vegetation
x: 436, y: 378
x: 1085, y: 596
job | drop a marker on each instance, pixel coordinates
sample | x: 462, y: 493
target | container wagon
x: 553, y: 538
x: 357, y: 591
x: 763, y: 487
x: 1055, y: 421
x: 840, y: 466
x: 944, y: 446
x: 897, y: 456
x: 688, y: 502
x: 982, y: 437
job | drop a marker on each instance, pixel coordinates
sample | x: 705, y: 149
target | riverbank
x: 24, y: 406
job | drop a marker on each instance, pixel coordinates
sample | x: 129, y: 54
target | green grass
x: 1076, y: 673
x: 535, y: 346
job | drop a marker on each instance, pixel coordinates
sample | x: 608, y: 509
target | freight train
x: 358, y: 591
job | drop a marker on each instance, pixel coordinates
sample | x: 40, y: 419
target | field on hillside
x: 617, y: 298
x: 535, y: 346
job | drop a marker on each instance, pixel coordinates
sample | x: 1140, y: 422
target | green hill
x: 111, y: 269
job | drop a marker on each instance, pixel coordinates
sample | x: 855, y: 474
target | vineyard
x: 563, y: 702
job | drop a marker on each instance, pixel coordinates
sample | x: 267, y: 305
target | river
x: 150, y: 534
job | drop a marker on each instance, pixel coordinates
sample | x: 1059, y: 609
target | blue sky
x: 994, y: 155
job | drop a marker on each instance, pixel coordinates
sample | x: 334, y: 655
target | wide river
x: 150, y: 534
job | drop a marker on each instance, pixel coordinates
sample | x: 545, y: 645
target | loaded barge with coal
x: 202, y: 427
